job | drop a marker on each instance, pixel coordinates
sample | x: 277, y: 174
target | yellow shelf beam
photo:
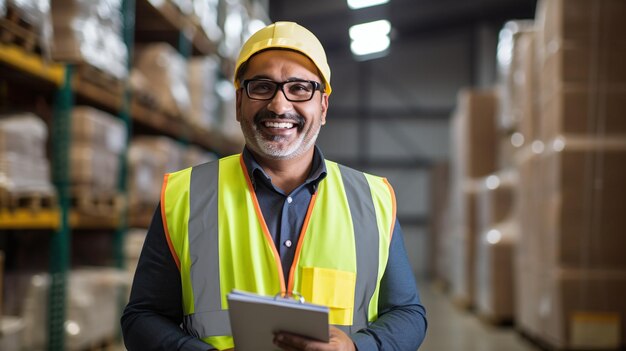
x: 32, y: 63
x: 29, y: 219
x: 21, y: 219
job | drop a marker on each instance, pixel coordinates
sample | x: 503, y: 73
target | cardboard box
x: 463, y: 248
x: 495, y: 199
x: 529, y: 92
x: 584, y: 192
x: 11, y: 330
x: 166, y: 70
x: 495, y: 273
x: 96, y: 168
x: 474, y: 134
x: 98, y: 129
x: 511, y: 72
x: 583, y: 21
x: 594, y: 67
x: 584, y: 309
x: 579, y: 109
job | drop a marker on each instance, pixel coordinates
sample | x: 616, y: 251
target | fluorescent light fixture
x: 359, y: 4
x: 365, y: 31
x: 362, y: 47
x: 369, y: 38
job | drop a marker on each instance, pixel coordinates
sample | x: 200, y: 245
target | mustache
x: 266, y: 114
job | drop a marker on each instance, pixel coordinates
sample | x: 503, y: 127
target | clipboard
x: 255, y: 318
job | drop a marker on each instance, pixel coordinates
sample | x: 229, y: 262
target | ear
x: 324, y: 107
x: 238, y: 104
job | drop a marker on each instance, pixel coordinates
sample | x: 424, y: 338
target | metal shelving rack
x: 66, y: 86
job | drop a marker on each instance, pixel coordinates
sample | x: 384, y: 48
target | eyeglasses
x: 294, y: 90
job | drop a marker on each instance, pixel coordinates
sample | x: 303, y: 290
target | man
x: 278, y: 218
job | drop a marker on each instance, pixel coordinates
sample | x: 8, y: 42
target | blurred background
x: 501, y: 125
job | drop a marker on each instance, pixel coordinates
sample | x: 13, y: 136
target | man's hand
x: 339, y: 341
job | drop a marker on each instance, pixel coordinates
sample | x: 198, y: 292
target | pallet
x: 95, y: 76
x: 14, y: 29
x: 87, y: 201
x: 34, y: 201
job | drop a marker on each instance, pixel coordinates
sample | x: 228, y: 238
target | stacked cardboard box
x: 92, y: 307
x: 166, y: 71
x: 496, y: 239
x: 203, y: 76
x: 36, y: 13
x: 24, y: 168
x: 91, y: 32
x: 473, y: 157
x: 149, y: 159
x: 571, y: 197
x: 11, y: 333
x: 516, y: 82
x: 98, y: 139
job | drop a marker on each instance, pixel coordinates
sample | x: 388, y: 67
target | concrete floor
x: 452, y: 329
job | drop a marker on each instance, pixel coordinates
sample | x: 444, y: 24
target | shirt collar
x: 256, y: 172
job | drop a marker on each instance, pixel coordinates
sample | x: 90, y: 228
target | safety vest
x: 220, y: 242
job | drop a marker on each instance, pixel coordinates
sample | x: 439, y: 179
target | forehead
x: 281, y: 64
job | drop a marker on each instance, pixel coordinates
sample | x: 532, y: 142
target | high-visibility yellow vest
x: 220, y: 242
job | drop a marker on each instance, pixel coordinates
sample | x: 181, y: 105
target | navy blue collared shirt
x: 284, y: 213
x: 153, y: 316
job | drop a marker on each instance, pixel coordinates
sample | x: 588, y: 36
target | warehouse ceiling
x: 330, y: 19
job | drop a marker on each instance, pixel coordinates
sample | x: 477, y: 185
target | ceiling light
x: 359, y: 4
x: 370, y: 38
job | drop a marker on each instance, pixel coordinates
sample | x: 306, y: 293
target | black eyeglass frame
x: 280, y: 85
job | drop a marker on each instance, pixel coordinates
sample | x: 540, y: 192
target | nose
x: 279, y: 103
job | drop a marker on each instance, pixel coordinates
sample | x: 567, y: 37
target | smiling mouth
x: 279, y: 125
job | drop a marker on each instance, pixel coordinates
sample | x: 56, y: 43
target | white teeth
x: 279, y: 125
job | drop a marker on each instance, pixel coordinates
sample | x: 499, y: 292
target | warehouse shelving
x: 64, y: 85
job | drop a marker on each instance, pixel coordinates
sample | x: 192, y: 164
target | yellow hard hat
x: 286, y: 35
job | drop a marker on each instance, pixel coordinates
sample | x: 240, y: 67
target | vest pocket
x: 332, y: 288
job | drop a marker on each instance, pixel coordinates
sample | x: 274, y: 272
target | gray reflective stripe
x: 205, y: 324
x: 203, y: 237
x: 366, y: 240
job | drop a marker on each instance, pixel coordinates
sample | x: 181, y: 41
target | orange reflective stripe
x: 393, y: 209
x: 266, y: 231
x: 305, y: 226
x: 164, y: 220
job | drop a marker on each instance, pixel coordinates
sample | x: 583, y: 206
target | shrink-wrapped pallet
x: 473, y: 155
x: 203, y: 76
x: 149, y: 159
x: 495, y: 279
x: 90, y: 31
x: 92, y: 307
x: 24, y: 168
x: 166, y: 71
x: 11, y: 330
x: 511, y: 74
x: 98, y: 139
x: 37, y: 14
x: 581, y: 53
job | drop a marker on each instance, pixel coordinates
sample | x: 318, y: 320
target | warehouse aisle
x: 451, y: 329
